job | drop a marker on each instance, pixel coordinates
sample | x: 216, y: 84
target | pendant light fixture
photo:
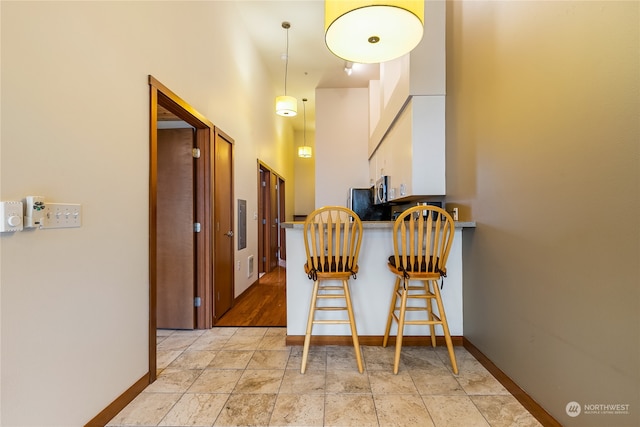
x: 304, y: 150
x: 286, y: 106
x: 373, y: 31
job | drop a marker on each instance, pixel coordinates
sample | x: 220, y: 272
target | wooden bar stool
x: 332, y: 237
x: 422, y: 237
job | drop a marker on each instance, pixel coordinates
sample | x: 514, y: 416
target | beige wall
x: 305, y: 175
x: 543, y: 152
x: 342, y: 135
x: 74, y: 115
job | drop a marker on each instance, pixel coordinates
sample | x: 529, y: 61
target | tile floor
x: 249, y: 377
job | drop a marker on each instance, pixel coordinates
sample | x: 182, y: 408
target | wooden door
x: 282, y: 218
x: 271, y: 202
x: 274, y: 233
x: 223, y: 236
x: 175, y: 266
x: 262, y: 225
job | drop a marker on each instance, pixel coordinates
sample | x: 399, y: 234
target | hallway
x: 229, y: 376
x: 263, y: 304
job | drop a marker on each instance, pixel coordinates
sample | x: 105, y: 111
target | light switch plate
x: 62, y: 215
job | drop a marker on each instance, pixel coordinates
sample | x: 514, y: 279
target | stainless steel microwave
x: 381, y: 193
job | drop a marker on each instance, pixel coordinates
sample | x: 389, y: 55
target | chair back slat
x: 432, y: 240
x: 314, y: 245
x: 422, y: 245
x: 329, y: 233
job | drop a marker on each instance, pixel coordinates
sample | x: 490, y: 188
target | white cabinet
x: 413, y: 151
x: 407, y: 114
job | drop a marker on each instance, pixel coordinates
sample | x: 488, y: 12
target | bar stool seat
x: 422, y: 237
x: 332, y: 238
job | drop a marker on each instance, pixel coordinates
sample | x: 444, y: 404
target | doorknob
x: 229, y: 233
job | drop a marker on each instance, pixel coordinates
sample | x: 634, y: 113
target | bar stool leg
x: 445, y: 328
x: 394, y: 301
x: 352, y: 323
x: 403, y: 307
x: 307, y: 337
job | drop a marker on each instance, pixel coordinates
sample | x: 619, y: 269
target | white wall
x: 342, y: 137
x: 75, y: 114
x: 543, y: 101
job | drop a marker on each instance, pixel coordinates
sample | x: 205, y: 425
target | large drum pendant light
x: 286, y: 106
x: 373, y: 31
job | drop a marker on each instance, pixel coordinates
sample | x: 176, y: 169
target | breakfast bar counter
x: 371, y: 291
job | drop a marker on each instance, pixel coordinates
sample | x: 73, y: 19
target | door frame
x: 222, y: 138
x: 264, y: 230
x: 282, y: 218
x: 161, y: 95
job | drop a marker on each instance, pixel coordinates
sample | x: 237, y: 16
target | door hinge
x: 264, y: 221
x: 264, y: 183
x: 264, y: 259
x: 196, y: 227
x: 197, y: 302
x: 196, y: 153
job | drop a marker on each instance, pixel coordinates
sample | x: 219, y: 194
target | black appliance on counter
x: 361, y: 201
x: 397, y: 210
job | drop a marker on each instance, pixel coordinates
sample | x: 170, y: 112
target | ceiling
x: 311, y: 64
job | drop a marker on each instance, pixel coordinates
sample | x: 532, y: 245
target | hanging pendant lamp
x: 286, y: 106
x: 304, y: 150
x: 373, y: 31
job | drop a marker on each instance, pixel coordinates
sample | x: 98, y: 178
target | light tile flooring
x: 249, y: 377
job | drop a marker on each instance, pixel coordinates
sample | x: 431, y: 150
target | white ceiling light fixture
x: 286, y: 106
x: 373, y: 31
x: 304, y: 150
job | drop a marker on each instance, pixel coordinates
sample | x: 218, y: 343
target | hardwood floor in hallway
x: 263, y: 304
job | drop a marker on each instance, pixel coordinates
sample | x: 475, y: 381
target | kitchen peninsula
x: 371, y: 291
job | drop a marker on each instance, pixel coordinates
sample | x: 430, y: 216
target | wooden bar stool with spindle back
x: 332, y: 238
x: 422, y: 237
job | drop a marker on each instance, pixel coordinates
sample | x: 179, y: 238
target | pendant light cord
x: 286, y: 26
x: 304, y: 132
